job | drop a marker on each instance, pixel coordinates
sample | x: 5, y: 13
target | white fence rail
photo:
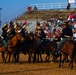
x: 53, y: 5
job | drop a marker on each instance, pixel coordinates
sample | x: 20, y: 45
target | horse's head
x: 19, y: 37
x: 15, y: 39
x: 36, y: 37
x: 31, y: 35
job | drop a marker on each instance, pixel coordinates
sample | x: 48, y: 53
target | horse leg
x: 54, y: 58
x: 47, y: 57
x: 34, y: 59
x: 17, y: 57
x: 3, y: 58
x: 13, y: 57
x: 60, y: 60
x: 41, y: 57
x: 71, y: 62
x: 64, y: 58
x: 38, y: 57
x: 9, y: 56
x: 29, y: 58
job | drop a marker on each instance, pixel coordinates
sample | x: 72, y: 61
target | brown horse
x: 68, y: 48
x: 12, y: 46
x: 2, y: 49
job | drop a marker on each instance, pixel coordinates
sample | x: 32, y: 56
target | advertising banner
x: 71, y: 1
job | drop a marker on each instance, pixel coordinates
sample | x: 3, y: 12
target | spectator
x: 35, y: 8
x: 68, y: 6
x: 71, y: 16
x: 29, y: 9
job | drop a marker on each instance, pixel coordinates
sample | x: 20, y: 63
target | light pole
x: 0, y: 17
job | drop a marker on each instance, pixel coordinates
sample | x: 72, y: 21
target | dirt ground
x: 25, y: 68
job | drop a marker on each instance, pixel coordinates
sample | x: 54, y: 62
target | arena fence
x: 41, y: 6
x: 53, y: 5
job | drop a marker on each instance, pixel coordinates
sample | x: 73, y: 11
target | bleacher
x: 44, y: 11
x: 45, y: 14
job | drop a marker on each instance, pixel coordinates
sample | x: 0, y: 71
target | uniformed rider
x: 67, y: 34
x: 41, y: 34
x: 4, y: 34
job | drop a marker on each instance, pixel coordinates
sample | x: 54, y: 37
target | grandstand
x: 44, y: 12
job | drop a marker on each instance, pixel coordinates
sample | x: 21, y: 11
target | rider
x: 40, y: 31
x: 23, y: 31
x: 4, y: 34
x: 41, y: 34
x: 17, y: 28
x: 11, y: 31
x: 66, y: 34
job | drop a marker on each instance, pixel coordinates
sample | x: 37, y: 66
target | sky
x: 10, y: 7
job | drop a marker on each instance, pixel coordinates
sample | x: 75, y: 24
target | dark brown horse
x: 27, y: 46
x: 12, y: 46
x: 43, y: 46
x: 68, y: 48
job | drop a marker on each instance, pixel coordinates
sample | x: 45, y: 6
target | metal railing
x: 52, y: 5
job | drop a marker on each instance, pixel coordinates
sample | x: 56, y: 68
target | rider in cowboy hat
x: 4, y: 34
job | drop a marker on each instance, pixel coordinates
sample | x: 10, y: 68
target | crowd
x: 53, y: 28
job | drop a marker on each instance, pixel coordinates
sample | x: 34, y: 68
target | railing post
x: 43, y: 6
x: 59, y: 6
x: 51, y: 6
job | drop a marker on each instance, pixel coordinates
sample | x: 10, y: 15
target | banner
x: 71, y: 1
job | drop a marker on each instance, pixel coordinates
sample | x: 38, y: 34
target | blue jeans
x: 5, y: 43
x: 61, y: 43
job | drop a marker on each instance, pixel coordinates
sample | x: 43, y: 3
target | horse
x: 26, y: 47
x: 29, y: 45
x: 43, y: 46
x: 13, y: 47
x: 67, y: 49
x: 2, y: 49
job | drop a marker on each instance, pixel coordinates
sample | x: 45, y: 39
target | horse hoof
x: 4, y: 61
x: 59, y: 66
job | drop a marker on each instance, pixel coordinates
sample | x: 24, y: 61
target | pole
x: 0, y: 17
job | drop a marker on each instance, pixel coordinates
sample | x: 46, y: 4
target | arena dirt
x: 25, y: 68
